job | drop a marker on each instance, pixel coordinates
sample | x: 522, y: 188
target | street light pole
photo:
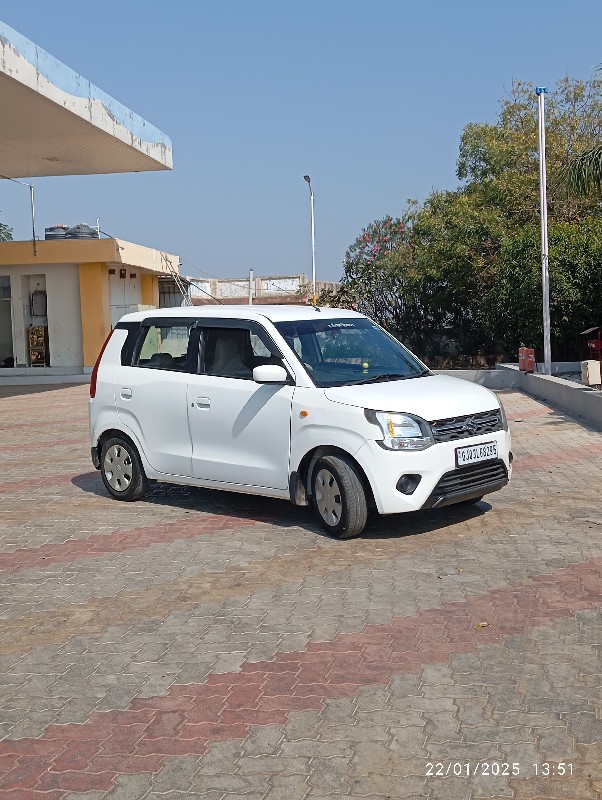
x: 541, y: 92
x: 313, y: 239
x: 33, y: 210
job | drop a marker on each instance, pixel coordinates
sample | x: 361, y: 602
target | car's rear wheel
x: 338, y: 496
x: 121, y: 469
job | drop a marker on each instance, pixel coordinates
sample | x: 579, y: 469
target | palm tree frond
x: 583, y: 175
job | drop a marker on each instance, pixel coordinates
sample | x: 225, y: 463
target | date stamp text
x: 495, y: 769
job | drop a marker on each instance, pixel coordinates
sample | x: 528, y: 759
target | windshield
x: 342, y: 352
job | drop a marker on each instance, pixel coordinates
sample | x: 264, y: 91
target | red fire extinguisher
x: 526, y: 359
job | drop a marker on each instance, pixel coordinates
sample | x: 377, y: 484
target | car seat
x: 160, y: 361
x: 227, y: 359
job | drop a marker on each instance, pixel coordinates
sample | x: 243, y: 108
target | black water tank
x: 56, y: 232
x: 81, y: 231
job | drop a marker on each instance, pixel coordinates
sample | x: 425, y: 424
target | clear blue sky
x: 368, y: 97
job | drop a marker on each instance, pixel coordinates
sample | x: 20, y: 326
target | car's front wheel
x: 121, y: 469
x: 338, y: 496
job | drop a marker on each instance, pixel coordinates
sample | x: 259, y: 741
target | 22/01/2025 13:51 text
x: 495, y: 768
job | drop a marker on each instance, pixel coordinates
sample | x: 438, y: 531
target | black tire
x: 473, y: 501
x: 338, y: 496
x: 121, y: 469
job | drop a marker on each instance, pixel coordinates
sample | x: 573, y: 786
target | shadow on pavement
x: 21, y: 389
x: 283, y: 513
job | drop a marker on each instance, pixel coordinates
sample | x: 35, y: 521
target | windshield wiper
x: 385, y: 376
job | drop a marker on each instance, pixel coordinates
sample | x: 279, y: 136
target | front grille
x: 454, y: 428
x: 468, y: 482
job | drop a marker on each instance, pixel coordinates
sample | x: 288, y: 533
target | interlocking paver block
x: 199, y: 644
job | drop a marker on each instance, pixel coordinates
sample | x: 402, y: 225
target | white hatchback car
x: 317, y: 405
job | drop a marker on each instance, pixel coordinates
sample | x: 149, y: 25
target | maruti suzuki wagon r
x: 317, y: 405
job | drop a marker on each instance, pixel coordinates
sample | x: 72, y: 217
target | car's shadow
x: 281, y: 512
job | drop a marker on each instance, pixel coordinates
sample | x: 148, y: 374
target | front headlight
x: 504, y: 417
x: 401, y: 431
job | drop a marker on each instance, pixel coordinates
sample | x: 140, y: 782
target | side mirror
x: 270, y: 373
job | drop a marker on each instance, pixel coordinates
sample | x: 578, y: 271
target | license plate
x: 475, y: 453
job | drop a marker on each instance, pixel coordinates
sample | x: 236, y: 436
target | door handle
x: 126, y: 394
x: 203, y: 402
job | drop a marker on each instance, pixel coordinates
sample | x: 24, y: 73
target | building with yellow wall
x: 68, y: 296
x: 59, y: 298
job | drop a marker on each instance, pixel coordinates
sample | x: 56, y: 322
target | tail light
x: 94, y: 376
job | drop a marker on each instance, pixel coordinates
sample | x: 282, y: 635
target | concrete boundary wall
x: 581, y: 402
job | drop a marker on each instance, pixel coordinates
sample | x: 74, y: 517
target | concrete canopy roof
x: 116, y: 252
x: 55, y: 122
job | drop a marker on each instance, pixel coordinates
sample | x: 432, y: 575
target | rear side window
x: 162, y: 347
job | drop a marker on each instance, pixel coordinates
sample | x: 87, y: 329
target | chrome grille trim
x: 454, y: 428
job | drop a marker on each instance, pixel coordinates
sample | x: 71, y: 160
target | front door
x: 240, y: 429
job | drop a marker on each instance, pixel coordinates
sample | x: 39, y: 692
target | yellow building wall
x: 95, y: 309
x: 150, y: 290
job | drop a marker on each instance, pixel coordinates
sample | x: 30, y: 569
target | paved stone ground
x: 219, y: 647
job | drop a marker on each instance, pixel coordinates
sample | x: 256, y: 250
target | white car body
x: 264, y: 438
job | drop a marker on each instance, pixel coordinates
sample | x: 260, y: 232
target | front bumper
x: 466, y: 483
x: 441, y: 482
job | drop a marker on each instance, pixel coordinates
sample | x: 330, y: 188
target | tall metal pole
x: 33, y: 220
x: 313, y: 240
x: 250, y: 287
x: 541, y: 92
x: 33, y: 210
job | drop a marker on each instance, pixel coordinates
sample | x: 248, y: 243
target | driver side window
x: 234, y: 352
x: 226, y: 353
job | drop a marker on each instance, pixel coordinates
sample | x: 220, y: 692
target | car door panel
x: 152, y: 404
x: 240, y: 431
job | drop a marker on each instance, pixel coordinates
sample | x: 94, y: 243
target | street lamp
x: 313, y: 239
x: 33, y: 209
x: 541, y: 92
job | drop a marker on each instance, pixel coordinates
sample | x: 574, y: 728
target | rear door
x: 240, y: 429
x: 151, y: 393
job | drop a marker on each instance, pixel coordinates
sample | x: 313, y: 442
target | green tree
x: 380, y: 280
x: 455, y: 245
x: 499, y: 163
x: 438, y: 283
x: 581, y: 175
x: 6, y: 233
x: 512, y: 309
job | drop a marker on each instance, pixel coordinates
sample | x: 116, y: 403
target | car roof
x: 278, y: 313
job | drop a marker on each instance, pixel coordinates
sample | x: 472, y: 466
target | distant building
x: 58, y: 306
x: 268, y: 290
x: 59, y: 299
